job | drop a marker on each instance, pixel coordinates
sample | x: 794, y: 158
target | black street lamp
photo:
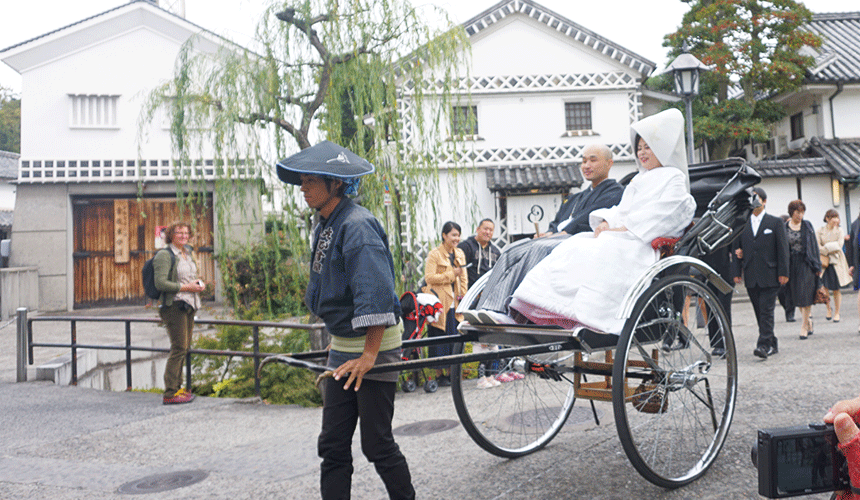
x: 685, y: 70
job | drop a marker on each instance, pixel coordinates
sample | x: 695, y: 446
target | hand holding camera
x: 811, y: 459
x: 844, y: 416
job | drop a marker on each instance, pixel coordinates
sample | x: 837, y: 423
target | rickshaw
x: 672, y: 380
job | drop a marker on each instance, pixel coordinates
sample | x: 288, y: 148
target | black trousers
x: 372, y: 408
x: 763, y: 301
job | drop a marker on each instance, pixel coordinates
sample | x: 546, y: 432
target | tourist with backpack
x: 176, y: 279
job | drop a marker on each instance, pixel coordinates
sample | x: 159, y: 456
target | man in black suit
x: 762, y: 258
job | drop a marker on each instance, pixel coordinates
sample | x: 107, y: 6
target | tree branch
x: 296, y: 100
x: 301, y: 137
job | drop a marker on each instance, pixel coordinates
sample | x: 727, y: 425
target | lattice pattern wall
x: 524, y: 155
x: 536, y: 83
x: 70, y: 171
x: 634, y: 102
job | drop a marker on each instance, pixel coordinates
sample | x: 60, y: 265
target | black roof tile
x: 546, y: 178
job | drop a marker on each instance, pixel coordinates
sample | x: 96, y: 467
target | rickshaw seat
x: 666, y: 246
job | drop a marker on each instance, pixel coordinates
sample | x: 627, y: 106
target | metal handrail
x: 26, y: 344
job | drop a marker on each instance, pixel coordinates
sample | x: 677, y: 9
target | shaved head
x: 596, y: 162
x: 599, y: 149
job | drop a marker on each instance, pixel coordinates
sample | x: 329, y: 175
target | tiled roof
x: 839, y: 58
x: 561, y: 24
x: 552, y: 178
x: 9, y: 165
x: 843, y: 155
x: 794, y: 167
x: 839, y: 158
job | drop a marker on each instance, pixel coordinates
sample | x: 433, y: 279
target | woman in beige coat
x: 446, y: 277
x: 831, y: 238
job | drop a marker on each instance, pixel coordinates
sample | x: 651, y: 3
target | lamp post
x: 685, y: 70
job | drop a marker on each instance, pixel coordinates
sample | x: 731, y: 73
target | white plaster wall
x: 529, y: 119
x: 7, y: 195
x: 846, y: 110
x: 846, y: 107
x: 816, y: 194
x: 130, y: 65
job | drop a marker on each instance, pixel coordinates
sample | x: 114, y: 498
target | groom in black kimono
x: 572, y: 217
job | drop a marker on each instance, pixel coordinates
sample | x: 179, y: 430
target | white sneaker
x: 472, y: 317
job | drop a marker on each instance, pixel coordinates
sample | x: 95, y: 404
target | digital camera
x: 802, y: 460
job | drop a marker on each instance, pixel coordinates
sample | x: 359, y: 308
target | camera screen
x: 806, y: 465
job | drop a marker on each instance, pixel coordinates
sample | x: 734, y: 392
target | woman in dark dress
x: 804, y: 263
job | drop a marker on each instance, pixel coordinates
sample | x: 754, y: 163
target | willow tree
x: 752, y: 45
x: 342, y: 70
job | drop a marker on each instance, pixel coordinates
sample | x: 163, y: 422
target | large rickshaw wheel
x: 517, y: 417
x: 672, y: 395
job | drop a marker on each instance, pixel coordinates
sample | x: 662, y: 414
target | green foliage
x: 233, y: 377
x: 10, y: 121
x: 264, y: 279
x: 753, y: 44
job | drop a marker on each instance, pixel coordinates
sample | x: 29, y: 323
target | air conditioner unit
x: 781, y: 145
x: 760, y: 151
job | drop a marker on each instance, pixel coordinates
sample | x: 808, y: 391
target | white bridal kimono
x: 585, y: 278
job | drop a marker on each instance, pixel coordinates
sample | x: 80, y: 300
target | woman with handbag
x: 804, y: 263
x: 831, y: 238
x: 446, y: 277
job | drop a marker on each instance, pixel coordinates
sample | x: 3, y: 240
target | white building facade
x: 92, y: 190
x: 539, y: 89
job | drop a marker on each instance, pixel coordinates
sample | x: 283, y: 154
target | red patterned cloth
x: 851, y: 450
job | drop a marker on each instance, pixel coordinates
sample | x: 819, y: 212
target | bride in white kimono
x: 583, y: 281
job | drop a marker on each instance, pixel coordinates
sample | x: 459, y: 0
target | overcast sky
x: 636, y: 25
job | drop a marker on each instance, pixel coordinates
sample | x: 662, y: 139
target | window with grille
x: 93, y: 111
x: 797, y: 126
x: 577, y: 115
x: 464, y: 121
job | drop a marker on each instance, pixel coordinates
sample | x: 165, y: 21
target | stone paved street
x: 73, y: 443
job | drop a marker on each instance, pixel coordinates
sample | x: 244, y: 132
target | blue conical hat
x: 325, y: 159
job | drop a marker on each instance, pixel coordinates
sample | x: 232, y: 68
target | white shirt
x: 755, y: 222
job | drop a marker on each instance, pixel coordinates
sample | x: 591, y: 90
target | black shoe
x: 761, y: 351
x: 772, y: 350
x: 444, y: 381
x: 789, y: 317
x: 719, y: 352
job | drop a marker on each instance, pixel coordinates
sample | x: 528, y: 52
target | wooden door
x: 114, y: 237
